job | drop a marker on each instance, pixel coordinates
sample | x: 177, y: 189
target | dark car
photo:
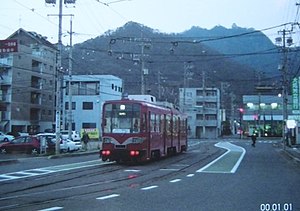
x: 25, y: 144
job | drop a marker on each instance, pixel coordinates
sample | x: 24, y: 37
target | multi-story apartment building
x: 203, y: 109
x: 89, y: 92
x: 27, y: 84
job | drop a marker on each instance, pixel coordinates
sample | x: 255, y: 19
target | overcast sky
x: 92, y: 18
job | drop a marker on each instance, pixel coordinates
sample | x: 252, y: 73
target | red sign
x: 8, y: 46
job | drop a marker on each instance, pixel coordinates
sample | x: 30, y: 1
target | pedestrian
x: 85, y: 140
x: 253, y: 137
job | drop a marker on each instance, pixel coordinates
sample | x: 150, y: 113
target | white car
x: 75, y: 135
x: 66, y: 145
x: 5, y: 138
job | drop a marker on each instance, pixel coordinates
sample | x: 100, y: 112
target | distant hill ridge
x: 230, y: 59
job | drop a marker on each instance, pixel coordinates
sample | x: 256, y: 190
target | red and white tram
x: 134, y: 130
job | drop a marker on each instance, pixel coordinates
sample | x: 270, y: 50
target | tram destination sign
x: 8, y: 46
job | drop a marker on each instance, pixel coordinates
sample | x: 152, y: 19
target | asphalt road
x: 232, y: 176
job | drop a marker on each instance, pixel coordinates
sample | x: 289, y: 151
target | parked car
x: 5, y: 137
x: 47, y: 140
x: 67, y: 145
x: 25, y: 144
x: 75, y: 136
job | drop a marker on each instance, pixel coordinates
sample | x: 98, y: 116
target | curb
x: 10, y: 161
x: 73, y: 154
x: 291, y: 156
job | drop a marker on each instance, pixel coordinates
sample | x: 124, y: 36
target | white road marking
x: 169, y: 169
x: 52, y: 209
x: 232, y: 150
x: 149, y: 187
x: 175, y: 180
x: 132, y: 170
x: 190, y: 175
x: 108, y: 196
x: 48, y: 170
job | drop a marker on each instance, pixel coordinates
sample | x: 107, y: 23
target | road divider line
x: 52, y: 209
x: 108, y: 196
x: 149, y: 187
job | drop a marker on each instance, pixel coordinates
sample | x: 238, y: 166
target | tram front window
x: 122, y: 118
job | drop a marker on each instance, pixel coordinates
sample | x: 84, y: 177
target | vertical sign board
x: 8, y: 46
x: 295, y: 93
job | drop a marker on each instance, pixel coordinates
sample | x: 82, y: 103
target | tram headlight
x: 137, y: 140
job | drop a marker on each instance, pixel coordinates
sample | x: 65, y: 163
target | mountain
x: 246, y: 46
x: 230, y: 59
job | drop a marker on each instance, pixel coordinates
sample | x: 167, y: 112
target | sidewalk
x: 93, y: 148
x: 293, y: 152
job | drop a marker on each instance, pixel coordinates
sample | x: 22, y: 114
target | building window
x: 87, y: 105
x: 189, y: 94
x: 85, y: 88
x: 89, y: 125
x: 210, y: 117
x: 67, y: 105
x: 211, y: 93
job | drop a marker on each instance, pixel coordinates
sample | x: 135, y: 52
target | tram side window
x: 158, y: 123
x: 107, y: 124
x: 162, y: 125
x: 168, y: 125
x: 152, y: 122
x: 175, y: 125
x: 143, y: 122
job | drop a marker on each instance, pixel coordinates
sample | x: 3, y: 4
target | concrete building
x: 89, y: 92
x: 203, y: 109
x: 27, y: 84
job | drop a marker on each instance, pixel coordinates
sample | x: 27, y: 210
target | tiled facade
x: 28, y: 84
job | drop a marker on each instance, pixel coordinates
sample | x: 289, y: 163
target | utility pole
x: 186, y: 74
x: 144, y: 71
x: 58, y: 81
x: 159, y: 84
x: 203, y: 104
x: 58, y: 74
x: 70, y: 82
x: 283, y: 68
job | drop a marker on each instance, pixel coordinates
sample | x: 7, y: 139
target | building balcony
x: 6, y: 62
x: 207, y: 123
x: 207, y: 99
x: 4, y: 115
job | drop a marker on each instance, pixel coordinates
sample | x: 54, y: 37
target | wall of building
x: 203, y: 110
x: 110, y: 88
x: 30, y: 91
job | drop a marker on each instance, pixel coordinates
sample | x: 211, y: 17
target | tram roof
x: 157, y: 105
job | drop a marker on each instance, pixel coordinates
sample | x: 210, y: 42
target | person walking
x: 85, y: 140
x: 253, y: 137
